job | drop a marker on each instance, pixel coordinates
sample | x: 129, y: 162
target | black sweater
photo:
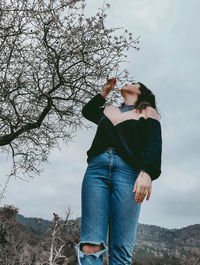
x: 136, y: 137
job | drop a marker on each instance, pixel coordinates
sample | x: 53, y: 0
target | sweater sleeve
x: 92, y: 111
x: 151, y: 162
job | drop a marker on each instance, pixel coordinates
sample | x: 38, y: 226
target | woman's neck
x: 130, y: 101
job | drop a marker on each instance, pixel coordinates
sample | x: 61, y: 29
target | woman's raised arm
x: 93, y: 110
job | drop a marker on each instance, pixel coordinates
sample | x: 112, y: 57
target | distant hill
x: 30, y: 222
x: 174, y: 246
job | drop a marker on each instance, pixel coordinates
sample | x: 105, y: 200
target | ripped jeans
x: 108, y: 201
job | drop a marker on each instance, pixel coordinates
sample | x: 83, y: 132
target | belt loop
x: 111, y: 148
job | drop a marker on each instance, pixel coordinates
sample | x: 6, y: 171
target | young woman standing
x: 123, y: 160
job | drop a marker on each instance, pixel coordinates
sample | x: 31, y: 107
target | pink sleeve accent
x: 151, y: 113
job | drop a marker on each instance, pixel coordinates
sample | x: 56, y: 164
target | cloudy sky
x: 168, y: 64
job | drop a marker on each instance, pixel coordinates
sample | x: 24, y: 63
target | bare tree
x: 64, y: 234
x: 52, y: 60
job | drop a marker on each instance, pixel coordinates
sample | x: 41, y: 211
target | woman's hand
x: 111, y: 82
x: 143, y: 185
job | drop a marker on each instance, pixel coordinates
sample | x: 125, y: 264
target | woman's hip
x: 109, y: 165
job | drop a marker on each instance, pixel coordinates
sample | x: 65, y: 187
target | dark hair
x: 145, y: 99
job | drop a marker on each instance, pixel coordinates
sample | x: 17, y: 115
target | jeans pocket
x: 100, y: 159
x: 123, y: 166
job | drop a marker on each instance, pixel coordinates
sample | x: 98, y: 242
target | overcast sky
x: 167, y: 63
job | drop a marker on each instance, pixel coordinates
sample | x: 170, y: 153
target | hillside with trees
x: 34, y: 241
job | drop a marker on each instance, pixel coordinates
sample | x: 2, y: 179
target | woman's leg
x: 94, y: 212
x: 124, y: 213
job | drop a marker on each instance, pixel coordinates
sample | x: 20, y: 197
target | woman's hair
x: 145, y: 99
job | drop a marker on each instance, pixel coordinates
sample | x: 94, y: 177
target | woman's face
x: 130, y: 89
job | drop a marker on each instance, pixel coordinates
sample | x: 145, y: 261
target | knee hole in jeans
x: 90, y: 248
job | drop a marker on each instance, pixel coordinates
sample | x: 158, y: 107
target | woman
x: 123, y: 160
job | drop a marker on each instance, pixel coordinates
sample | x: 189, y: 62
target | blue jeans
x: 108, y: 201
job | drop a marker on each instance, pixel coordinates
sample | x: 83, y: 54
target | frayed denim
x: 108, y: 205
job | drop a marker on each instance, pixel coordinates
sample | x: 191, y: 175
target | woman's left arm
x: 151, y: 164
